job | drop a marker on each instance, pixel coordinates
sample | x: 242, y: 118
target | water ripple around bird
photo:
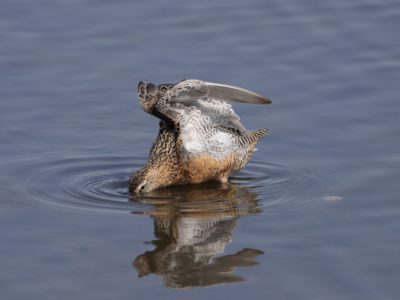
x: 99, y: 184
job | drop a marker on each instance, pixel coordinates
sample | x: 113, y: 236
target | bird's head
x: 142, y: 181
x: 150, y: 178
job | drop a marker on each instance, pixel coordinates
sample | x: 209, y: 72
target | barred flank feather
x: 257, y: 135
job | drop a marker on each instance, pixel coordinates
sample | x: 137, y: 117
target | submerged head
x: 149, y: 178
x: 141, y: 182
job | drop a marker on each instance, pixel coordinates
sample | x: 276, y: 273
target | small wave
x: 99, y: 184
x: 284, y: 187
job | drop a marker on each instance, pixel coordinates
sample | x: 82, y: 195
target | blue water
x: 315, y: 215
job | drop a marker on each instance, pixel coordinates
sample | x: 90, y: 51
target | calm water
x: 315, y: 215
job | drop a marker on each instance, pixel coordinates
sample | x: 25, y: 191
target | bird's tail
x: 148, y: 96
x: 255, y: 136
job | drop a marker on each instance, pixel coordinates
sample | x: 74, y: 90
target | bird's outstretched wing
x: 206, y: 120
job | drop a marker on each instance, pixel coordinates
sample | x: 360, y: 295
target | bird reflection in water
x: 193, y: 225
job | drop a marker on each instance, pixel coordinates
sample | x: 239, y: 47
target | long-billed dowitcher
x: 201, y: 138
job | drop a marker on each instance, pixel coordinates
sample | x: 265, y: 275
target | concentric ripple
x: 283, y: 187
x: 99, y: 184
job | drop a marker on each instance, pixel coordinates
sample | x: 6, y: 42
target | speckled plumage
x: 200, y: 138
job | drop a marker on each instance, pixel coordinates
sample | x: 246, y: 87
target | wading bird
x: 201, y: 138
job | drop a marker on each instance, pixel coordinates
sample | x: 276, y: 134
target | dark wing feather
x: 211, y: 99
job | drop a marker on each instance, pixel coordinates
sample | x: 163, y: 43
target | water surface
x: 315, y: 215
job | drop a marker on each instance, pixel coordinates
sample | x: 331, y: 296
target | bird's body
x: 200, y: 138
